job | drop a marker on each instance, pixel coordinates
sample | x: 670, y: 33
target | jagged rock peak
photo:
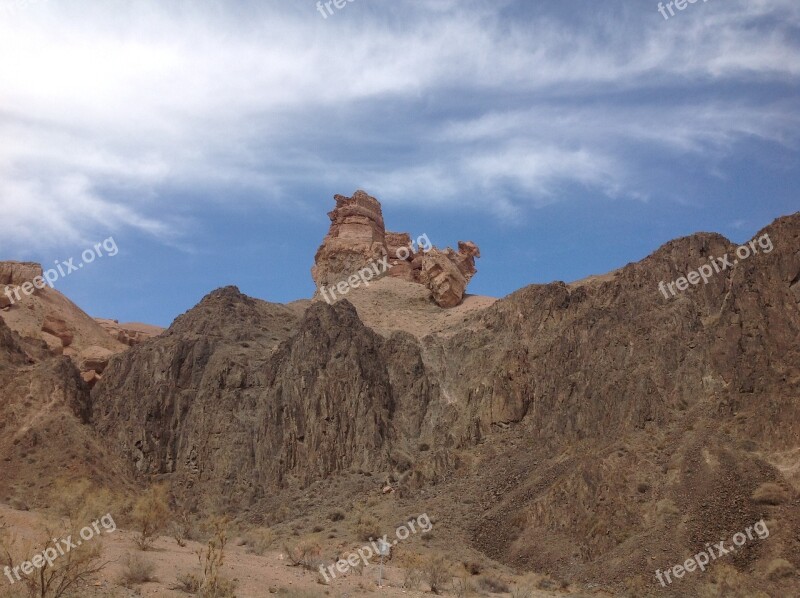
x: 358, y: 239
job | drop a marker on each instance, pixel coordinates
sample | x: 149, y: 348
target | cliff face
x: 358, y: 239
x: 600, y: 429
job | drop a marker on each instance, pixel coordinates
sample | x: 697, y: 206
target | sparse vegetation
x: 137, y: 570
x: 69, y: 573
x: 213, y: 584
x: 437, y: 574
x: 259, y: 540
x: 493, y: 585
x: 304, y: 554
x: 368, y: 527
x: 150, y: 516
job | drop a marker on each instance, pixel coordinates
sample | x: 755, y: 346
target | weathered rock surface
x: 17, y: 273
x: 44, y: 409
x: 131, y: 333
x: 358, y: 238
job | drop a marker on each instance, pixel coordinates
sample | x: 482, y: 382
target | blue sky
x: 208, y: 138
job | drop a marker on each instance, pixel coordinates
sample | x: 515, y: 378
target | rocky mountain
x: 597, y: 430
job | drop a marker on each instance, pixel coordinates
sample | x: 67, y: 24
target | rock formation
x: 599, y: 431
x: 129, y: 334
x: 358, y: 238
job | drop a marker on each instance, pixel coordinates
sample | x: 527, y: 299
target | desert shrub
x: 521, y: 593
x: 462, y: 587
x: 137, y: 570
x: 150, y: 516
x: 181, y: 528
x: 368, y: 527
x: 189, y: 583
x: 412, y: 565
x: 213, y: 584
x: 69, y: 574
x: 304, y: 554
x: 437, y: 574
x: 336, y: 516
x: 493, y: 585
x: 259, y: 540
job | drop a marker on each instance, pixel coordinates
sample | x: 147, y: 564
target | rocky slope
x: 595, y: 430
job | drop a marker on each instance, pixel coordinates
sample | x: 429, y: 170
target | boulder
x: 443, y: 277
x: 94, y: 358
x: 58, y: 328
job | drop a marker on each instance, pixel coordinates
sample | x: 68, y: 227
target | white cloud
x: 104, y: 105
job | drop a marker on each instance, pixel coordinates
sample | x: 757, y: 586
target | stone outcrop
x: 14, y: 274
x: 129, y: 334
x: 17, y: 273
x: 358, y: 238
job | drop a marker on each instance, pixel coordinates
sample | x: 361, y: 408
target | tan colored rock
x: 17, y: 273
x: 358, y: 238
x: 132, y: 333
x: 443, y: 277
x: 94, y: 358
x: 58, y: 328
x: 91, y: 378
x: 355, y: 239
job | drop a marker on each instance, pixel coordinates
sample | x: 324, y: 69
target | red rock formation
x: 358, y: 238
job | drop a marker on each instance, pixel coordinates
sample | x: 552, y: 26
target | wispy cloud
x: 115, y: 114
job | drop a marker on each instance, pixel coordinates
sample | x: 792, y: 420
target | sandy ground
x: 391, y: 304
x: 256, y: 576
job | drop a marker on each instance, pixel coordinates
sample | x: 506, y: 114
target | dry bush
x: 368, y: 527
x: 259, y: 540
x: 78, y: 504
x: 437, y: 573
x: 189, y: 583
x: 304, y: 554
x: 493, y: 585
x: 412, y: 565
x: 69, y: 574
x: 462, y: 587
x: 137, y: 570
x: 213, y: 584
x: 519, y: 592
x: 150, y: 516
x: 181, y: 528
